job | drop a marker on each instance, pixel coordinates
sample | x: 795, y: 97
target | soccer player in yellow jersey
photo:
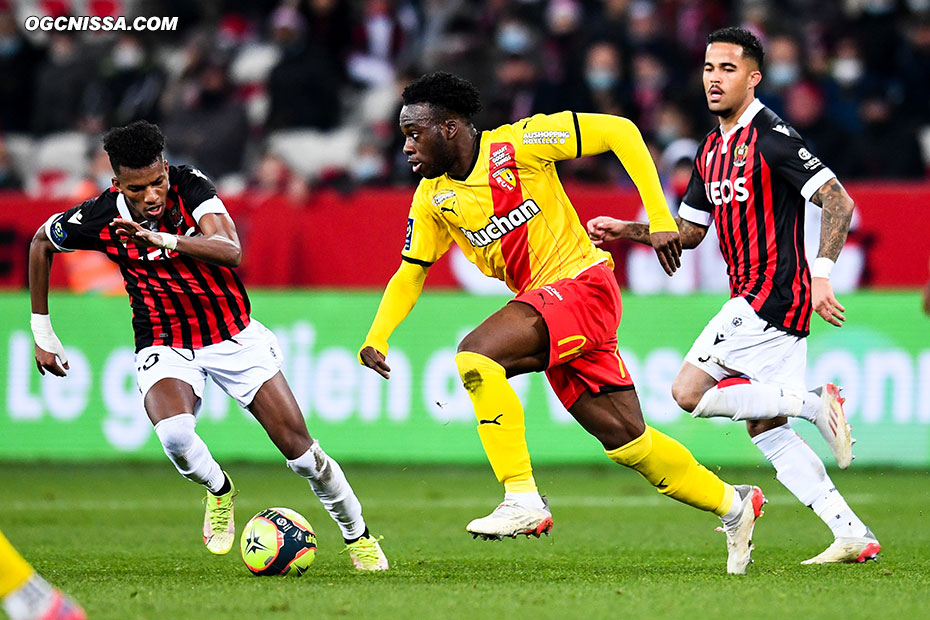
x: 496, y: 195
x: 26, y: 596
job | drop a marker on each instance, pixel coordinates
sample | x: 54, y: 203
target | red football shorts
x: 582, y: 315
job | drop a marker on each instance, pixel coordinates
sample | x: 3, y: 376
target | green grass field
x: 124, y: 539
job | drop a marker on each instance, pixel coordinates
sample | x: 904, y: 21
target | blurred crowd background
x: 283, y: 97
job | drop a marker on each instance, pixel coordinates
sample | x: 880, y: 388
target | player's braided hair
x: 445, y: 91
x: 137, y: 145
x: 750, y: 43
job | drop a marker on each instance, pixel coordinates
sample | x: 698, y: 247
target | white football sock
x: 736, y: 509
x: 188, y: 452
x: 527, y: 500
x: 329, y: 484
x: 31, y: 600
x: 742, y: 399
x: 811, y: 407
x: 801, y: 471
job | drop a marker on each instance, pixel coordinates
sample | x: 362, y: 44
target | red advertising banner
x: 354, y: 240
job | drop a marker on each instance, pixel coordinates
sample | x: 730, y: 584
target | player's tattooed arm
x: 834, y: 226
x: 837, y: 213
x: 691, y: 234
x: 603, y: 228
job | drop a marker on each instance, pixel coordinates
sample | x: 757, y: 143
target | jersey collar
x: 122, y: 207
x: 745, y: 118
x: 474, y: 160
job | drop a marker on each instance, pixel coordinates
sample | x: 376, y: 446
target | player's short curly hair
x: 137, y: 145
x: 446, y: 91
x: 752, y: 47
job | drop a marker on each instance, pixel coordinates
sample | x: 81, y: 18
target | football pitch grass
x: 124, y: 539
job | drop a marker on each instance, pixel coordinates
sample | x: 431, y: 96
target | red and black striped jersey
x: 753, y: 184
x: 177, y: 300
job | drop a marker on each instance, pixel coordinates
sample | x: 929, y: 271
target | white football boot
x: 739, y: 533
x: 511, y: 519
x: 831, y: 422
x: 849, y: 550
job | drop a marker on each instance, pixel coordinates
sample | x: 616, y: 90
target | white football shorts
x: 738, y: 342
x: 240, y: 366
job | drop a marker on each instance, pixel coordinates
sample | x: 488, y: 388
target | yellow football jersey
x: 510, y: 216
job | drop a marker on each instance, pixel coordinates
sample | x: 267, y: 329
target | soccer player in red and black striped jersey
x: 752, y: 178
x: 176, y: 246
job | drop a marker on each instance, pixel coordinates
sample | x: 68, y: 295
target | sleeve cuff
x: 48, y: 233
x: 211, y: 205
x: 687, y: 212
x: 815, y: 182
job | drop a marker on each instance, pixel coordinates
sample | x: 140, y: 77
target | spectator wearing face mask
x: 128, y: 87
x: 61, y: 81
x: 783, y: 67
x: 18, y: 62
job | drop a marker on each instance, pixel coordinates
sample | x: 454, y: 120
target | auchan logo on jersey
x: 500, y: 226
x: 721, y: 192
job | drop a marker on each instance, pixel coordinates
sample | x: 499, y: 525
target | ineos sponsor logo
x: 500, y: 226
x: 721, y: 192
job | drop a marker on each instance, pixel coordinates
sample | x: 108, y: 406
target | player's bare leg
x: 511, y: 341
x: 276, y: 409
x: 170, y: 405
x: 798, y: 468
x: 616, y: 420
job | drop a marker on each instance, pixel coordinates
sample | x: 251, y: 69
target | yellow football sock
x: 672, y: 469
x: 14, y: 570
x: 500, y: 420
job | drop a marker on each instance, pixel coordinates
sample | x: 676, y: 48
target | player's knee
x: 685, y: 395
x: 474, y: 368
x: 176, y: 434
x: 313, y: 463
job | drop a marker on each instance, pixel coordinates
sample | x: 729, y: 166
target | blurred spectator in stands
x: 645, y: 28
x: 561, y: 53
x: 184, y: 67
x: 606, y: 88
x: 650, y: 82
x: 462, y: 47
x: 99, y: 176
x: 604, y: 91
x: 210, y: 129
x: 610, y: 23
x: 783, y: 67
x: 329, y: 26
x: 19, y: 60
x: 61, y: 81
x: 844, y: 87
x: 805, y: 110
x: 304, y: 87
x: 273, y: 178
x: 886, y: 148
x: 672, y: 124
x: 369, y: 167
x: 9, y: 179
x: 378, y: 39
x: 515, y: 90
x: 128, y: 87
x: 915, y: 71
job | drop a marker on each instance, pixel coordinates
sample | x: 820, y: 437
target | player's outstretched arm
x: 48, y: 348
x: 219, y: 243
x: 602, y: 132
x: 690, y: 235
x: 834, y: 226
x: 399, y: 297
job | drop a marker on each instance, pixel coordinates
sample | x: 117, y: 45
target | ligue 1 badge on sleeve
x: 58, y: 232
